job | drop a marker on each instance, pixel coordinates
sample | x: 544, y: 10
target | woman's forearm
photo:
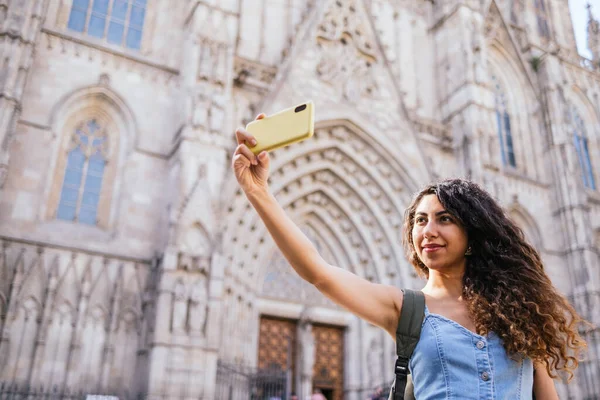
x: 294, y: 245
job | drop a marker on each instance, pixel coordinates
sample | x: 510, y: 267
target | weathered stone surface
x: 178, y: 268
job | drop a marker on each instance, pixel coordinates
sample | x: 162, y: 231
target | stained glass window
x: 505, y: 138
x: 542, y: 18
x: 582, y: 148
x: 120, y: 22
x: 82, y: 183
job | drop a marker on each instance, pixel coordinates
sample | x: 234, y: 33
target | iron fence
x: 238, y: 382
x: 15, y: 391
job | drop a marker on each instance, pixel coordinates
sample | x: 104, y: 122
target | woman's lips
x: 431, y: 249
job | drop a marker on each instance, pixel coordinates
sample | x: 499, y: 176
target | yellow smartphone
x: 289, y: 126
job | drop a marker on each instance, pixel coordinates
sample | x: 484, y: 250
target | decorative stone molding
x: 102, y: 105
x: 253, y: 75
x: 434, y: 132
x: 352, y: 204
x: 60, y: 299
x: 344, y: 35
x: 66, y: 44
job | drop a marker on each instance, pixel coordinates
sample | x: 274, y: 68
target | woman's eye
x: 445, y: 218
x: 419, y: 220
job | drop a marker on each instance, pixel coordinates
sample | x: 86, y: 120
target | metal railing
x: 238, y: 382
x: 14, y: 391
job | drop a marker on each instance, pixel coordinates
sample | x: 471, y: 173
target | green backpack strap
x: 407, y: 337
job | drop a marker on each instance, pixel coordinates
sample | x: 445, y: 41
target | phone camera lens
x: 300, y: 108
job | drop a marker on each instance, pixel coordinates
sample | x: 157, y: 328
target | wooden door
x: 328, y: 371
x: 277, y: 344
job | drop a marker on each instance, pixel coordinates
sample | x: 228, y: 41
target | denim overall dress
x: 452, y: 363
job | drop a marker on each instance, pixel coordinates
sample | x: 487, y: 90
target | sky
x: 579, y: 15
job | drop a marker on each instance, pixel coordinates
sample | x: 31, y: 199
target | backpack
x: 407, y: 337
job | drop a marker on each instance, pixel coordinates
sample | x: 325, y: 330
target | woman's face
x: 439, y: 240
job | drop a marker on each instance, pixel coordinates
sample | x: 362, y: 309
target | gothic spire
x: 593, y: 34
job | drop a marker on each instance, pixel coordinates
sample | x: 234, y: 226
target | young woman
x: 495, y: 326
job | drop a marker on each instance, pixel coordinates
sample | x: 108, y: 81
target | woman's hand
x: 251, y: 172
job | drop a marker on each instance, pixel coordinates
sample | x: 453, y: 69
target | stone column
x: 184, y: 349
x: 19, y: 31
x: 306, y: 352
x: 458, y: 32
x: 570, y: 206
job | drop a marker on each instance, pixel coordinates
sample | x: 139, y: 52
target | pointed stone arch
x: 195, y: 239
x: 363, y: 88
x: 499, y: 38
x: 69, y: 285
x: 584, y: 120
x: 528, y: 225
x: 102, y: 104
x: 506, y: 61
x: 93, y: 336
x: 521, y: 103
x: 24, y: 328
x: 35, y: 279
x: 130, y: 297
x: 354, y: 186
x: 585, y: 106
x: 100, y: 292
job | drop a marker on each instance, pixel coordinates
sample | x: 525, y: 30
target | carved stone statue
x: 179, y: 309
x: 198, y: 307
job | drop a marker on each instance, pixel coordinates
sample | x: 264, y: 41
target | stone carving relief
x: 61, y: 328
x: 212, y: 60
x: 364, y: 219
x: 254, y: 74
x: 493, y: 27
x: 189, y: 307
x: 190, y: 262
x: 344, y: 35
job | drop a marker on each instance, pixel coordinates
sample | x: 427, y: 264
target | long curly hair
x: 504, y: 286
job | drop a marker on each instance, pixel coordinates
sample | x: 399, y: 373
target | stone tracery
x: 343, y: 34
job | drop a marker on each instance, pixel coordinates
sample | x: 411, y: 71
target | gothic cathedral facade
x: 131, y: 263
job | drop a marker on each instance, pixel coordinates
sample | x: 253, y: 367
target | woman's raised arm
x: 376, y: 303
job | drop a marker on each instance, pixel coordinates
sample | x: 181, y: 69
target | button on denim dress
x: 452, y: 363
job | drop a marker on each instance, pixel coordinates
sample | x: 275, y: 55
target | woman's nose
x: 430, y: 230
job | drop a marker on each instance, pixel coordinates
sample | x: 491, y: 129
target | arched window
x: 118, y: 21
x: 582, y: 149
x: 541, y: 14
x: 86, y: 159
x: 503, y: 125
